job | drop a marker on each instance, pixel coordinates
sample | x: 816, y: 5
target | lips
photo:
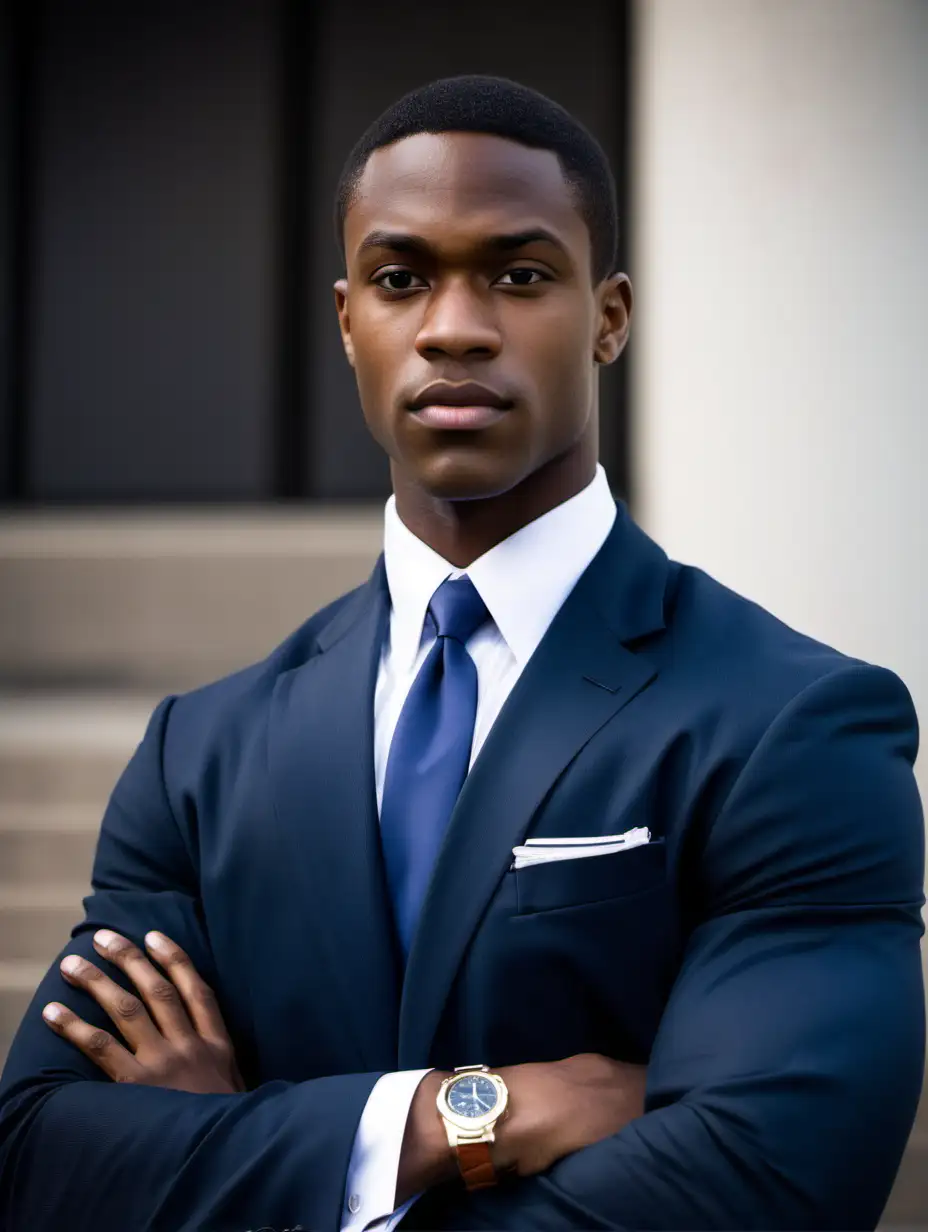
x: 469, y: 394
x: 458, y: 417
x: 468, y: 406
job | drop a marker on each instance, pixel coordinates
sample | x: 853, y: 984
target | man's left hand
x: 175, y: 1033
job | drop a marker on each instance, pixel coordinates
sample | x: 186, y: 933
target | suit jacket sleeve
x: 786, y: 1071
x: 81, y: 1152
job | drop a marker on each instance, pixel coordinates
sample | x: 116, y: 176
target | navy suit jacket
x: 761, y: 953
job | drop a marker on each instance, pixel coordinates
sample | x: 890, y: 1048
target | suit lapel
x: 321, y: 770
x: 580, y: 676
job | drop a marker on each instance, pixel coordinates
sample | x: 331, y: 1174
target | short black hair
x: 476, y: 103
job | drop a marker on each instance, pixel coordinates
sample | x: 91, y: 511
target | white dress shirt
x: 523, y: 581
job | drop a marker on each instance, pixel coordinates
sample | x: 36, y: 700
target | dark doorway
x: 168, y: 330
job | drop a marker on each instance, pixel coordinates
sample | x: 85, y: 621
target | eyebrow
x: 401, y: 242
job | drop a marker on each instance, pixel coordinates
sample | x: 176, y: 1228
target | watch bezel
x: 473, y: 1124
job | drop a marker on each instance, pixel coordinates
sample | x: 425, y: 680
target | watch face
x: 472, y: 1095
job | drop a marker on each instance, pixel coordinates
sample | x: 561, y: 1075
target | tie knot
x: 457, y: 609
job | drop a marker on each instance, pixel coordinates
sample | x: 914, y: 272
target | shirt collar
x: 523, y: 581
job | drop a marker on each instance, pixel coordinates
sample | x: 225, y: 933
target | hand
x: 176, y: 1034
x: 558, y: 1107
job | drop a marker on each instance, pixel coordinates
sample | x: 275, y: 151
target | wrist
x: 505, y: 1149
x: 473, y: 1103
x: 527, y: 1141
x: 426, y: 1158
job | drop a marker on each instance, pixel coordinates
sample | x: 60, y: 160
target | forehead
x: 463, y: 184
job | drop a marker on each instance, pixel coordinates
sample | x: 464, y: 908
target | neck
x: 461, y: 531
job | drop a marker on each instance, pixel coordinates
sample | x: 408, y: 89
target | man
x: 534, y: 798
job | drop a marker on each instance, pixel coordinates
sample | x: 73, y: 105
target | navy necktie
x: 430, y: 752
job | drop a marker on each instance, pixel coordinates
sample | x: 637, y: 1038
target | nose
x: 457, y: 322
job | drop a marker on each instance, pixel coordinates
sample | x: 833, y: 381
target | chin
x: 462, y: 478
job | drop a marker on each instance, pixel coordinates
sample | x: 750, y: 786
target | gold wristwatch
x: 471, y: 1102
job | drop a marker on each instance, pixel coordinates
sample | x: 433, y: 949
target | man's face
x: 449, y: 281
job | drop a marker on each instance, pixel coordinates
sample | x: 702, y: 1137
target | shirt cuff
x: 370, y: 1190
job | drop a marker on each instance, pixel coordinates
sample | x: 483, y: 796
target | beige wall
x: 781, y: 270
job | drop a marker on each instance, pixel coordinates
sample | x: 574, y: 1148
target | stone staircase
x: 59, y: 759
x: 102, y: 615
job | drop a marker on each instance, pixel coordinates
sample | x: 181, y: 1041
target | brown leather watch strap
x: 476, y: 1164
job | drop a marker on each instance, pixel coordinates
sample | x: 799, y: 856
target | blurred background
x: 184, y: 471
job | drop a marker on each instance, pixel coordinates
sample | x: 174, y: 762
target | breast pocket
x: 590, y: 879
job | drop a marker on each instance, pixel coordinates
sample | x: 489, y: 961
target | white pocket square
x: 547, y: 850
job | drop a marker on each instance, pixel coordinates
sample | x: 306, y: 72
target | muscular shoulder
x: 742, y: 687
x: 732, y: 649
x: 807, y: 748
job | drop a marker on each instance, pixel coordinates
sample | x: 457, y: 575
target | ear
x: 344, y: 320
x: 614, y: 295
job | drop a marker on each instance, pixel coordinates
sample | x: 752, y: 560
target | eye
x: 403, y: 280
x: 519, y: 271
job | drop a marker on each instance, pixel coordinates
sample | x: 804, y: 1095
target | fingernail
x: 157, y: 941
x: 72, y: 964
x: 52, y: 1013
x: 104, y: 937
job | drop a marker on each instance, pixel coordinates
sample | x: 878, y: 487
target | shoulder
x: 765, y: 704
x: 736, y: 647
x: 805, y: 757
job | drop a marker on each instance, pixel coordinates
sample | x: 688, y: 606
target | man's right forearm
x: 104, y: 1157
x: 556, y: 1108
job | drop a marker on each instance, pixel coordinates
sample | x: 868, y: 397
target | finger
x: 162, y: 999
x: 199, y: 998
x: 127, y: 1012
x: 96, y: 1044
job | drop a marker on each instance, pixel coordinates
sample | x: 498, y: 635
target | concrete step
x: 45, y: 777
x: 18, y: 982
x: 44, y: 844
x: 36, y: 920
x: 171, y: 598
x: 908, y: 1204
x: 67, y: 748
